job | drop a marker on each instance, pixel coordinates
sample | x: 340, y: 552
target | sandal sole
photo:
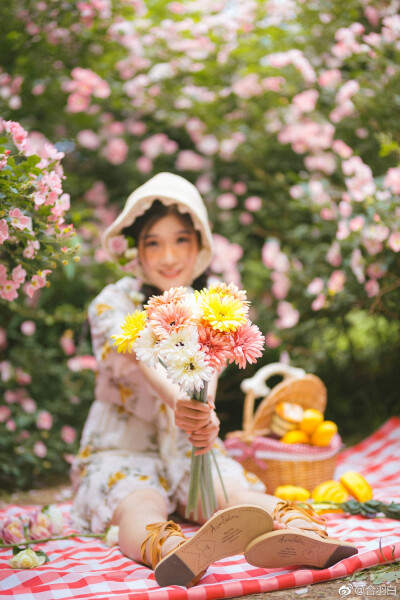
x: 226, y: 533
x: 284, y: 548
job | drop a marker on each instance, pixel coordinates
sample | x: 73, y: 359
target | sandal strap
x: 159, y: 532
x: 305, y: 512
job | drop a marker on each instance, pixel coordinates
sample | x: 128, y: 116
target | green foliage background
x: 352, y: 343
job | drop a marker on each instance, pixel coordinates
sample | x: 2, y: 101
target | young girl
x: 133, y: 467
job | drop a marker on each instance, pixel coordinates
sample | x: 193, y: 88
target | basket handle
x: 256, y: 386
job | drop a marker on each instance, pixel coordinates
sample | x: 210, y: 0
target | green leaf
x: 42, y: 553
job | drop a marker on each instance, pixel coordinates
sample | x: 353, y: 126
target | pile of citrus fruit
x: 293, y: 424
x: 351, y: 484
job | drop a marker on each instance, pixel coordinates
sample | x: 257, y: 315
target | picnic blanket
x: 85, y: 569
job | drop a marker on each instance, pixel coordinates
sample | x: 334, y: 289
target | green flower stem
x: 52, y: 539
x: 370, y: 508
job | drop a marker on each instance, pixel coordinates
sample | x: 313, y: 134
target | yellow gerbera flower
x: 223, y: 313
x: 131, y: 328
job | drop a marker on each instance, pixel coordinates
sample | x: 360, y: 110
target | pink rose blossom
x: 333, y: 255
x: 357, y: 223
x: 5, y: 414
x: 273, y: 84
x: 68, y: 434
x: 67, y: 342
x: 272, y: 340
x: 85, y: 361
x: 347, y: 90
x: 306, y: 101
x: 44, y: 420
x: 376, y: 270
x: 336, y: 282
x: 88, y: 139
x: 18, y: 274
x: 342, y: 149
x: 23, y: 378
x: 324, y: 162
x: 248, y: 86
x: 28, y: 327
x: 116, y: 151
x: 245, y: 218
x: 394, y: 241
x: 372, y: 288
x: 239, y: 188
x: 20, y: 221
x: 11, y: 425
x: 77, y: 102
x: 318, y: 302
x: 280, y: 286
x: 392, y: 180
x: 253, y: 203
x: 39, y: 449
x: 372, y: 246
x: 12, y: 531
x: 39, y: 526
x: 29, y: 405
x: 118, y: 244
x: 97, y: 194
x: 144, y: 164
x: 315, y: 286
x: 4, y: 235
x: 226, y: 201
x: 357, y: 265
x: 190, y: 161
x: 330, y: 78
x: 31, y: 249
x: 288, y: 315
x: 8, y: 290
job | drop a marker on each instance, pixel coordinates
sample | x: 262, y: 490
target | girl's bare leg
x: 134, y: 512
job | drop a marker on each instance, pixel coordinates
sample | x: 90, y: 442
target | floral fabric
x: 130, y: 441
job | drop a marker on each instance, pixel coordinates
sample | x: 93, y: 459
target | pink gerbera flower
x: 170, y: 296
x: 166, y: 318
x: 215, y: 345
x: 247, y: 345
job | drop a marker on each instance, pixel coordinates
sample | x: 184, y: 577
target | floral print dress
x: 130, y: 441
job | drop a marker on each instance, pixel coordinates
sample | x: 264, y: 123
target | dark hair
x: 157, y: 211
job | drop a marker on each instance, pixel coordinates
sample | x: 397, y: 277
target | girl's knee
x: 137, y: 501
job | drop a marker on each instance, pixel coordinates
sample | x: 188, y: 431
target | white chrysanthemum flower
x: 189, y: 369
x: 146, y: 347
x: 179, y: 340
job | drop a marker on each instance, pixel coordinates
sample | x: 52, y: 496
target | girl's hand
x: 191, y: 415
x: 203, y: 439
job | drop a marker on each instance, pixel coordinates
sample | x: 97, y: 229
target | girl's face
x: 168, y: 252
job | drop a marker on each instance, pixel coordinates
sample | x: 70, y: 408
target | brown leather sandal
x: 159, y: 532
x: 226, y: 533
x: 300, y: 546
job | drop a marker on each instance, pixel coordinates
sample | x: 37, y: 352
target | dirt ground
x: 383, y: 580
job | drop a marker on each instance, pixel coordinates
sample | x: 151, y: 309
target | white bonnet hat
x: 169, y: 189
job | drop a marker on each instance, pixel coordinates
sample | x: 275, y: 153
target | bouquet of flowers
x: 194, y: 335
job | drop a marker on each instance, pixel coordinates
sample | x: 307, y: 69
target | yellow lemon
x: 332, y: 491
x: 292, y: 492
x: 295, y: 437
x: 357, y: 486
x: 311, y: 419
x: 324, y: 433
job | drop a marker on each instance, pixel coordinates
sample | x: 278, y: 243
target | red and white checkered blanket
x: 85, y: 569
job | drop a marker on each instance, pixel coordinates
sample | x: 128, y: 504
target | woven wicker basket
x: 275, y: 462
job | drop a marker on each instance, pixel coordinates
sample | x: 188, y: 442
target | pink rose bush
x: 29, y: 182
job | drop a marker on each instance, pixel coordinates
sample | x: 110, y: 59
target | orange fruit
x: 311, y: 419
x: 357, y: 486
x: 292, y: 492
x: 324, y: 433
x: 295, y: 437
x: 330, y: 491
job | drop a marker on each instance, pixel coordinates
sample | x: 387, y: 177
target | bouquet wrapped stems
x: 201, y: 484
